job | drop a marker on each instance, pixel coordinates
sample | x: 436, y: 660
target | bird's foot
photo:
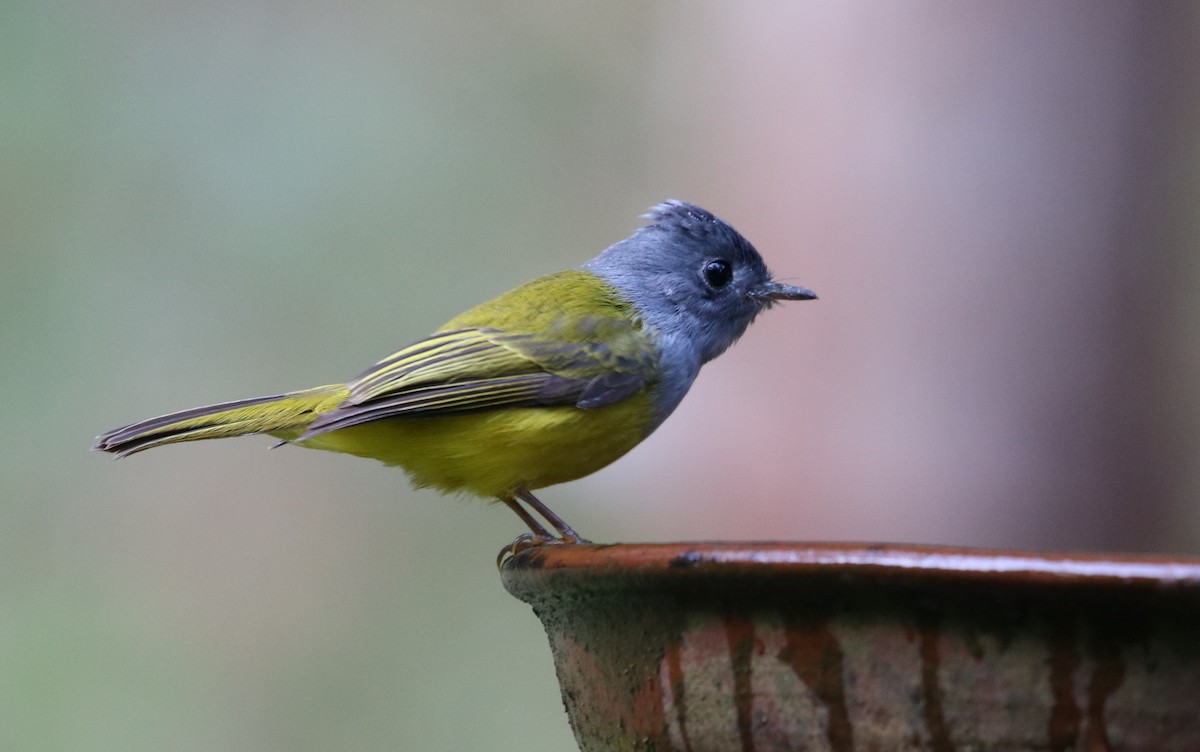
x: 522, y: 542
x: 526, y: 541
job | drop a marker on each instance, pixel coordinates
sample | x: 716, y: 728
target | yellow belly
x: 493, y: 453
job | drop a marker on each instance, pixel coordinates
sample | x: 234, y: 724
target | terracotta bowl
x: 789, y: 646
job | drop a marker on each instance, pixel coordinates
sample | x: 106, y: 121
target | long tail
x: 282, y: 415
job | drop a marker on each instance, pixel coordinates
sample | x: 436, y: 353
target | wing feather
x: 482, y: 368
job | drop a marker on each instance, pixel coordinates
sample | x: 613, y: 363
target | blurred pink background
x: 997, y: 204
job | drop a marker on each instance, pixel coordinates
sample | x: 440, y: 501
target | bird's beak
x: 778, y: 291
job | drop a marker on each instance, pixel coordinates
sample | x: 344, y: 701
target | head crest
x: 680, y: 214
x: 691, y: 223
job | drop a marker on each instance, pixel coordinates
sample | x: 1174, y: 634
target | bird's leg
x: 565, y: 533
x: 537, y: 537
x: 540, y: 533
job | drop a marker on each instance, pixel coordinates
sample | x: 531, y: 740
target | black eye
x: 718, y: 273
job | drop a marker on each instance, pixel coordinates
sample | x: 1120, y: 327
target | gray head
x: 693, y: 278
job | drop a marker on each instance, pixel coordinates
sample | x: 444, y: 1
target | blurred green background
x: 997, y: 203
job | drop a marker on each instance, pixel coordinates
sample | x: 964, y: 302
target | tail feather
x: 283, y: 415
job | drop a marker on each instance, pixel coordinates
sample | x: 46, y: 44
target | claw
x: 526, y: 541
x: 522, y: 542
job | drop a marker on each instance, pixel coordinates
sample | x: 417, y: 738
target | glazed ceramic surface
x: 781, y: 646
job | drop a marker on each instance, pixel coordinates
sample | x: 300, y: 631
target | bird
x: 545, y: 384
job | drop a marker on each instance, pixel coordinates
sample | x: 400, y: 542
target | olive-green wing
x: 483, y: 369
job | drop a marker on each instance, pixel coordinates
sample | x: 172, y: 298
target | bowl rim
x: 884, y: 560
